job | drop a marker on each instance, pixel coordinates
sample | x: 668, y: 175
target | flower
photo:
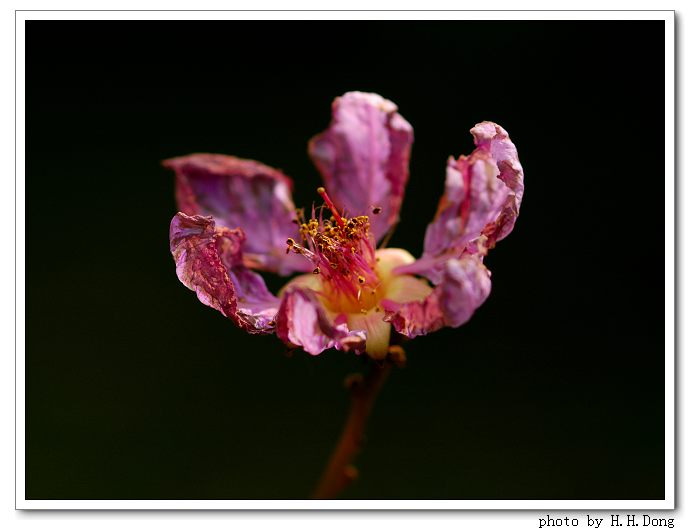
x: 237, y: 217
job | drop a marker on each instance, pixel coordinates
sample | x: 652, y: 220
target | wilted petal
x: 465, y: 285
x: 302, y: 321
x: 473, y: 198
x: 479, y: 206
x: 245, y: 194
x: 495, y: 140
x: 209, y: 262
x: 363, y: 157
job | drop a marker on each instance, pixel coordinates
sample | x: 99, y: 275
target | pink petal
x: 209, y: 261
x: 245, y: 194
x: 473, y: 198
x: 495, y: 140
x: 363, y: 157
x: 480, y: 203
x: 303, y: 322
x: 465, y: 285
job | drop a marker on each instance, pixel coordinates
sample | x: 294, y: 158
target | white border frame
x: 300, y: 504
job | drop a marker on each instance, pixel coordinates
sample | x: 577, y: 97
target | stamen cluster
x: 343, y: 252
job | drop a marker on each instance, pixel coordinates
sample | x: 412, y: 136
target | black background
x: 554, y: 390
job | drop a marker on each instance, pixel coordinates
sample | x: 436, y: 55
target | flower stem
x: 340, y: 471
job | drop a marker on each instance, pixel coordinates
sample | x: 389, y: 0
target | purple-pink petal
x: 465, y: 284
x: 473, y: 198
x: 480, y: 203
x: 363, y: 157
x: 303, y: 322
x: 209, y: 261
x: 245, y: 194
x: 494, y: 139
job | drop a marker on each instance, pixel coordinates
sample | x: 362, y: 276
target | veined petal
x: 479, y: 206
x: 245, y: 194
x: 209, y: 261
x: 363, y: 157
x: 465, y: 285
x: 473, y: 198
x: 494, y: 139
x: 302, y: 321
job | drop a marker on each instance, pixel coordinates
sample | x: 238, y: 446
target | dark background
x: 554, y: 390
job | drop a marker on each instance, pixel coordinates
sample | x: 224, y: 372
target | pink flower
x: 237, y: 217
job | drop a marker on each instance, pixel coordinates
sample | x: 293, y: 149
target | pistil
x: 322, y: 191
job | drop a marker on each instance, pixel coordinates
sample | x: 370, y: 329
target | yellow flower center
x: 350, y: 276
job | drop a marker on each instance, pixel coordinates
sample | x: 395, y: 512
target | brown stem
x: 340, y: 472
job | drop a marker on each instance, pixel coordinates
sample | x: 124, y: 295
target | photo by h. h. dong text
x: 614, y: 521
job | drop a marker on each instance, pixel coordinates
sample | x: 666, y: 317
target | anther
x: 317, y: 270
x: 361, y: 279
x: 290, y: 242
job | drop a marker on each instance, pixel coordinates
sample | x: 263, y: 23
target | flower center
x: 343, y: 253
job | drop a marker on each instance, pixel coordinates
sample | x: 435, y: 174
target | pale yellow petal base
x: 378, y: 332
x: 398, y: 288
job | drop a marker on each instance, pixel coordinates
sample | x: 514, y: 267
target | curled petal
x: 473, y: 198
x: 494, y: 139
x: 209, y: 261
x: 302, y: 321
x: 363, y: 157
x: 465, y: 285
x: 479, y: 206
x: 245, y: 194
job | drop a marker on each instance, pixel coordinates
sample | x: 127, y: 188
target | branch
x: 340, y: 471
